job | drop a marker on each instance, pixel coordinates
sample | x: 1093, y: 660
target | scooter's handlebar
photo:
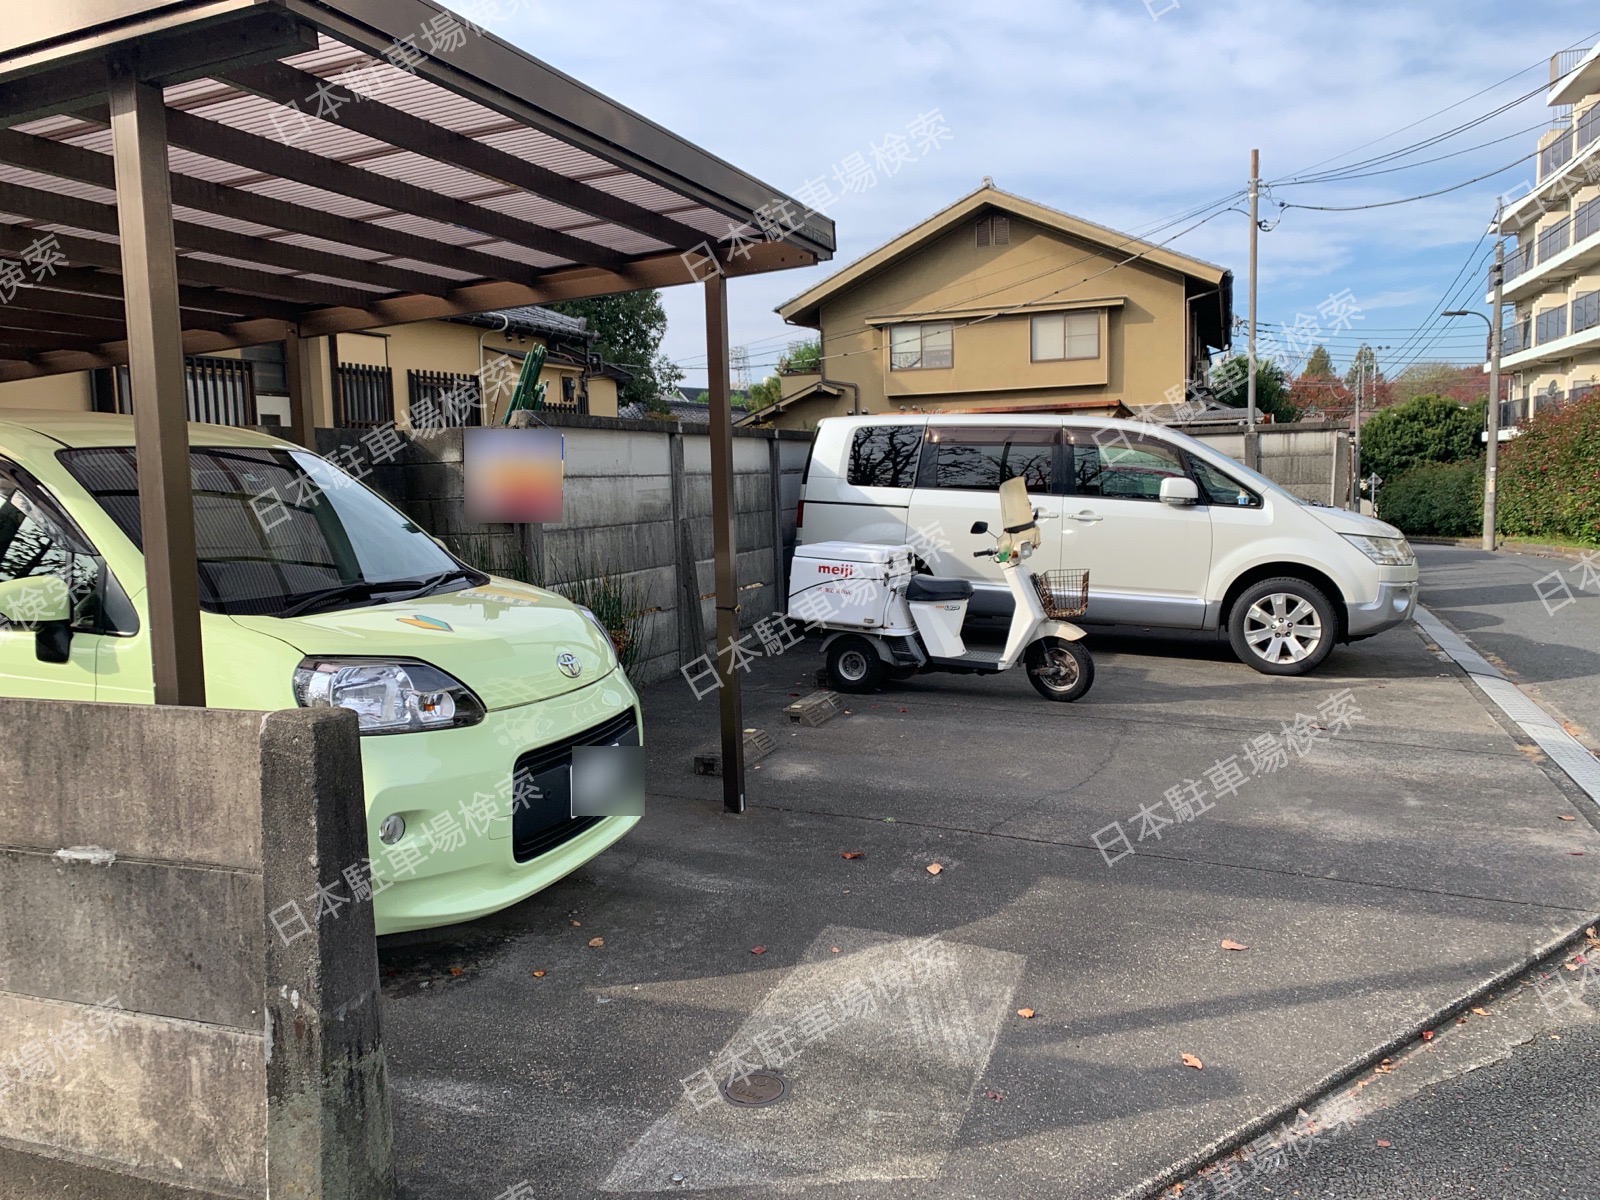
x: 983, y: 554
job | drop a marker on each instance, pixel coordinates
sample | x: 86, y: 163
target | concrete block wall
x: 1310, y: 459
x: 636, y: 508
x: 152, y: 1024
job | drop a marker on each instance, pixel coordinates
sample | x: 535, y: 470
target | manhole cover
x: 755, y: 1089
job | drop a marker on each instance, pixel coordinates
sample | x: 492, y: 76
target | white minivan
x: 1174, y: 534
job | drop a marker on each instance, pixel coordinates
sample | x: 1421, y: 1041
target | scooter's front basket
x: 1063, y: 593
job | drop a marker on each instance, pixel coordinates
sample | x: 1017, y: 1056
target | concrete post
x: 329, y: 1135
x: 691, y: 626
x: 780, y: 585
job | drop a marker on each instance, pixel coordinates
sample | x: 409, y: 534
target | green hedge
x: 1550, y: 475
x: 1435, y: 499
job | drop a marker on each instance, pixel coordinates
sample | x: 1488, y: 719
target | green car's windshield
x: 277, y: 530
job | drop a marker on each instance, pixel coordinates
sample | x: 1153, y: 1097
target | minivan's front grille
x: 541, y: 816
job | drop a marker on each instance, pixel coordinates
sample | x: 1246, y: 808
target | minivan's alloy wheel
x: 854, y: 665
x: 1283, y: 627
x: 1059, y: 669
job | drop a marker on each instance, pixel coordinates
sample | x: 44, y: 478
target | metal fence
x: 219, y: 391
x: 364, y: 398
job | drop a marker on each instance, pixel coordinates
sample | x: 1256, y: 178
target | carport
x: 214, y: 174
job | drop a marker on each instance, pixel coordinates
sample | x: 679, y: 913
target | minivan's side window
x: 884, y: 456
x: 1118, y: 467
x: 1220, y: 488
x: 973, y: 459
x: 33, y: 545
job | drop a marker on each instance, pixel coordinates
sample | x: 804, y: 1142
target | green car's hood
x: 502, y: 640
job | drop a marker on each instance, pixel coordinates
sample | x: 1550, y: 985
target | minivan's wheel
x: 1283, y: 627
x: 854, y: 665
x: 1059, y: 669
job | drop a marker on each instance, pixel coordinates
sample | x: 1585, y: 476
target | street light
x: 1492, y: 458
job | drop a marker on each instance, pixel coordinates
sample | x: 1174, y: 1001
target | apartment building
x: 1551, y: 338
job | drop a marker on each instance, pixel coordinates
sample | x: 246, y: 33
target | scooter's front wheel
x: 854, y: 665
x: 1059, y: 669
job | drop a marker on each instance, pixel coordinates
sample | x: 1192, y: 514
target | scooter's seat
x: 926, y: 587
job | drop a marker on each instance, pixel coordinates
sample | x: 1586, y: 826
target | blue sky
x: 1104, y: 110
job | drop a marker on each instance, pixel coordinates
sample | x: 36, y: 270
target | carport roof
x: 341, y: 165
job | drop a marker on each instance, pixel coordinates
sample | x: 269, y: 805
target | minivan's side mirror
x: 43, y: 602
x: 1177, y: 491
x: 980, y: 527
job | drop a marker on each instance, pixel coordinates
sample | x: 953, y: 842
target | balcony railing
x: 1556, y: 155
x: 1586, y: 221
x: 1582, y: 393
x: 1565, y: 62
x: 1555, y: 239
x: 1550, y: 325
x: 1586, y: 312
x: 1588, y: 128
x: 1545, y: 402
x: 1512, y: 412
x: 1518, y: 262
x: 1514, y: 338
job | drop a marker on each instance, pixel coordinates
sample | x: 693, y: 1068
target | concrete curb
x: 1538, y: 549
x: 1243, y: 1134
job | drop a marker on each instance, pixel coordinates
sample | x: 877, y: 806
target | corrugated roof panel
x: 450, y: 235
x: 313, y: 198
x: 430, y: 174
x: 536, y: 147
x: 51, y: 183
x: 522, y: 254
x: 526, y: 206
x: 411, y: 264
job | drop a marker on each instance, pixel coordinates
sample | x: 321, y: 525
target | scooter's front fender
x: 1065, y: 630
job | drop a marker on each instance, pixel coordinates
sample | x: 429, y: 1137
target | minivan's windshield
x: 280, y: 532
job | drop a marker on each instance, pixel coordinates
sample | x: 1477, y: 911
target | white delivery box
x: 848, y: 583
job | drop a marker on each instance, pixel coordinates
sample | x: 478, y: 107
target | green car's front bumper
x: 453, y: 788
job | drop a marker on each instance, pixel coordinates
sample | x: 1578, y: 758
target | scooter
x: 885, y: 622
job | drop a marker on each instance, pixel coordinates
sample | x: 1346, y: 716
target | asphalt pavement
x: 1501, y: 1101
x: 1376, y: 841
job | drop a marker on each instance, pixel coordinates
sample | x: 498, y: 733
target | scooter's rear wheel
x: 854, y: 665
x: 1059, y: 669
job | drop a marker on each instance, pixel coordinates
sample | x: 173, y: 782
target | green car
x: 475, y: 694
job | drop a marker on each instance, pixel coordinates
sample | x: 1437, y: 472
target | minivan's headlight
x: 1385, y: 551
x: 387, y: 696
x: 605, y: 634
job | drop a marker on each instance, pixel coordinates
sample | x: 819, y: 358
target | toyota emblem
x: 569, y: 664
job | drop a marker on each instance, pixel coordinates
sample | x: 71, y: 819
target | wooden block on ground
x: 816, y: 709
x: 758, y: 744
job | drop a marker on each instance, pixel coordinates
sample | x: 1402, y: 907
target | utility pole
x: 1492, y: 458
x: 1255, y: 231
x: 1366, y: 374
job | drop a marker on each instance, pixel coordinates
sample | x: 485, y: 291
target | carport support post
x: 300, y: 364
x: 156, y: 377
x: 722, y: 530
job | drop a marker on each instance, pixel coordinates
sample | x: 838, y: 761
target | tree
x: 764, y: 394
x: 1230, y: 385
x: 802, y: 358
x: 1461, y: 384
x: 630, y: 328
x: 1363, y: 373
x: 1319, y: 364
x: 1425, y: 429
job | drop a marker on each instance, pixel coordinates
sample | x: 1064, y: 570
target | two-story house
x: 1550, y: 341
x: 1001, y: 304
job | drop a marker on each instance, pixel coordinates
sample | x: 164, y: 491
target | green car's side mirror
x: 43, y: 602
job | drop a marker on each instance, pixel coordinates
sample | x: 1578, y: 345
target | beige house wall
x: 1144, y: 327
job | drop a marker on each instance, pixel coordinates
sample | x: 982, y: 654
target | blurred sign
x: 513, y: 476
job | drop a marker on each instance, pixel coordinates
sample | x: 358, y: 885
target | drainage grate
x: 755, y: 1089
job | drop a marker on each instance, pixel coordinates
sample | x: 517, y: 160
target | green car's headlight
x: 387, y: 696
x: 1385, y: 551
x: 605, y: 634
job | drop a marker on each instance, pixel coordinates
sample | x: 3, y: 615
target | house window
x: 925, y: 347
x: 1058, y: 336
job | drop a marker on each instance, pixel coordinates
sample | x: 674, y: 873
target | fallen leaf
x: 993, y: 1095
x: 597, y: 942
x: 1565, y: 817
x: 574, y: 924
x: 852, y: 854
x: 1025, y: 1013
x: 1190, y: 1060
x: 833, y: 949
x: 455, y: 970
x: 1383, y: 1143
x: 1427, y: 1035
x: 758, y: 949
x: 1577, y: 854
x: 1231, y: 945
x: 1482, y: 1012
x: 934, y: 868
x: 538, y: 974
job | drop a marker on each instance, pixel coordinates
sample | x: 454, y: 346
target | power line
x: 1409, y: 199
x: 1422, y: 162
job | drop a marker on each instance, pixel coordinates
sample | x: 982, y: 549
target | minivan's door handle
x: 1088, y: 516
